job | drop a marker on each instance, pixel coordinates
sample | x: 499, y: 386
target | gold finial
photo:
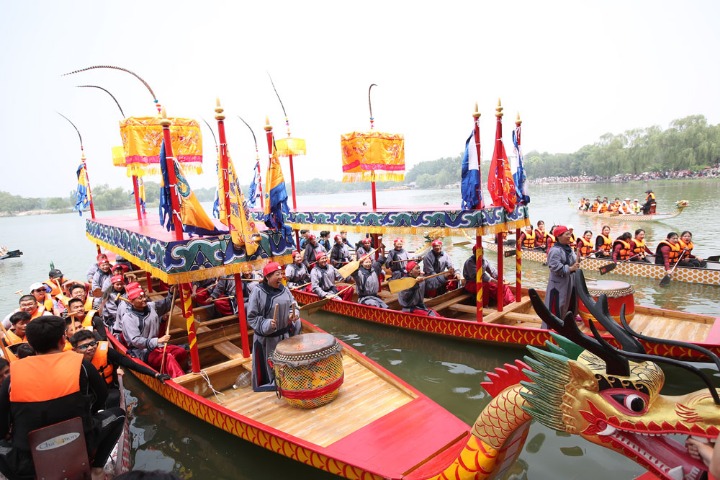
x: 268, y: 127
x: 476, y: 115
x: 499, y: 109
x: 518, y: 122
x: 218, y: 110
x: 164, y: 121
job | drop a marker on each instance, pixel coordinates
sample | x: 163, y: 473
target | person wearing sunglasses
x: 108, y: 362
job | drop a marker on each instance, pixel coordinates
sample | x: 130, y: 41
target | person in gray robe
x: 413, y: 299
x: 563, y: 263
x: 368, y: 283
x: 436, y: 261
x: 323, y: 277
x: 339, y: 254
x: 270, y: 328
x: 363, y: 248
x: 312, y: 248
x: 397, y: 259
x: 296, y: 273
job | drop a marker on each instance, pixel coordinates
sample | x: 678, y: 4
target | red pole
x: 185, y: 289
x: 500, y: 237
x: 136, y: 194
x: 478, y: 238
x: 220, y: 117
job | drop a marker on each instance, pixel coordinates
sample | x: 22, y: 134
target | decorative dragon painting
x: 584, y: 386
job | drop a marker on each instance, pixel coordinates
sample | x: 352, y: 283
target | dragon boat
x: 702, y: 276
x: 654, y: 217
x: 581, y: 385
x: 515, y: 324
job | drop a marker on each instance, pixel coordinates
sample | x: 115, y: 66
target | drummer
x: 274, y: 316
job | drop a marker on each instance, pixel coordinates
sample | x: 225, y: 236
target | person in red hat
x: 312, y: 248
x: 367, y: 281
x: 274, y: 316
x: 412, y: 300
x: 363, y: 247
x: 103, y: 273
x: 113, y: 301
x: 296, y: 273
x: 397, y: 259
x: 339, y: 254
x: 437, y: 261
x: 323, y: 278
x: 140, y: 326
x: 489, y: 280
x: 563, y: 263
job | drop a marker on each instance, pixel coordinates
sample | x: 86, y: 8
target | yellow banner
x: 142, y: 137
x: 290, y: 146
x: 373, y: 157
x: 242, y: 230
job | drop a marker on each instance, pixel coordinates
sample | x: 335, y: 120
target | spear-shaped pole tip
x: 518, y: 122
x: 164, y: 121
x: 476, y: 113
x: 268, y: 127
x: 499, y: 109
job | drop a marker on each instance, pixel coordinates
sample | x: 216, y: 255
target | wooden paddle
x: 714, y: 258
x: 167, y: 331
x: 313, y: 307
x: 665, y: 281
x: 611, y: 266
x: 400, y: 284
x: 351, y: 267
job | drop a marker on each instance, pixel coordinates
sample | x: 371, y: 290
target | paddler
x: 650, y: 204
x: 274, y: 316
x: 622, y: 251
x: 397, y: 259
x: 527, y: 238
x: 16, y: 334
x: 323, y: 278
x: 667, y: 252
x: 639, y: 249
x: 412, y: 300
x: 540, y: 236
x: 367, y: 279
x: 687, y: 245
x: 41, y: 292
x: 103, y: 273
x: 437, y: 261
x: 603, y: 243
x: 339, y: 253
x: 88, y: 318
x: 585, y: 246
x: 312, y: 248
x: 490, y: 280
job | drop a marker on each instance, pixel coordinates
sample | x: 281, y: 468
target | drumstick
x: 167, y: 330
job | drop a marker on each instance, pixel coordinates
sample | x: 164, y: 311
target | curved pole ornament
x: 113, y: 67
x: 106, y: 91
x: 372, y: 119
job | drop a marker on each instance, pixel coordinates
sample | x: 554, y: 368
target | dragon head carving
x: 611, y: 396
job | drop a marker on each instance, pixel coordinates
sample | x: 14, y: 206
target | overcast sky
x: 574, y: 70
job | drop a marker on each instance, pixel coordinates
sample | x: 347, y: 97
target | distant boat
x: 5, y: 253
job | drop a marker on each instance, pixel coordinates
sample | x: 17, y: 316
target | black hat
x: 648, y: 191
x: 55, y: 273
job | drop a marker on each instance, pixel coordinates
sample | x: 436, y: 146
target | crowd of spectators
x: 708, y: 172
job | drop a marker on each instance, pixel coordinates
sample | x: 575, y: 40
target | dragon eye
x: 633, y: 402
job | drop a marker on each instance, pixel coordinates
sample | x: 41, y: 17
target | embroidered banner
x: 372, y: 157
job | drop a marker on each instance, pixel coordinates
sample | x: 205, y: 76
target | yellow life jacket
x: 625, y: 250
x: 528, y: 240
x: 607, y: 244
x: 585, y: 247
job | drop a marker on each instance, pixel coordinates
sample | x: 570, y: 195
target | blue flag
x: 81, y: 201
x: 518, y: 170
x: 470, y: 175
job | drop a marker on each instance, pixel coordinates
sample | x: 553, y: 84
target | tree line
x: 687, y: 144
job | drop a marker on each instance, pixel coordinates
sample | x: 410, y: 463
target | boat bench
x: 229, y: 349
x: 453, y: 301
x: 222, y: 376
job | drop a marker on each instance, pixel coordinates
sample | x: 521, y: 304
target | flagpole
x: 372, y: 127
x: 220, y: 117
x: 478, y: 238
x: 518, y: 250
x: 185, y: 289
x: 499, y: 237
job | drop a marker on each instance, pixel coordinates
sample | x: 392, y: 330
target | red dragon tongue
x: 666, y: 455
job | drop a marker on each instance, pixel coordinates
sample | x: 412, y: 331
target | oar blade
x: 313, y: 307
x: 462, y: 243
x: 665, y: 280
x: 714, y: 258
x: 509, y: 253
x: 349, y: 269
x: 607, y: 268
x: 400, y: 284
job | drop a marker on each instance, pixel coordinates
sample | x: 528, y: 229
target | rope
x: 215, y: 392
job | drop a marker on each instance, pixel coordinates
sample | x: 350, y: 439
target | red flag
x: 500, y: 181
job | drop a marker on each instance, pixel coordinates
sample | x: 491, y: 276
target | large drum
x: 308, y: 369
x: 618, y: 294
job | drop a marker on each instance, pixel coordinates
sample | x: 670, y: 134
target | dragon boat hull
x: 616, y: 217
x: 518, y: 325
x: 702, y: 276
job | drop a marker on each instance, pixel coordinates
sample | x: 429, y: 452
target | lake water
x: 448, y: 371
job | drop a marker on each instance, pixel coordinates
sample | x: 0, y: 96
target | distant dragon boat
x: 702, y: 276
x: 655, y: 217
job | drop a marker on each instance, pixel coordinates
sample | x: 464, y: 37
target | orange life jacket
x: 613, y: 207
x: 62, y: 377
x: 673, y: 253
x: 55, y: 289
x: 585, y: 247
x: 101, y: 362
x: 687, y: 247
x: 540, y: 238
x: 550, y: 241
x: 607, y: 244
x: 12, y: 338
x: 595, y: 206
x: 603, y: 208
x: 639, y: 246
x: 528, y: 240
x: 625, y: 249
